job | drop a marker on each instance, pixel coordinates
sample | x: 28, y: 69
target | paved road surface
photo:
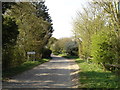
x: 58, y: 73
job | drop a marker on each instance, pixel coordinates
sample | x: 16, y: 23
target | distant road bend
x: 57, y: 73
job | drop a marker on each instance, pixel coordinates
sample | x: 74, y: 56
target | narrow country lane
x: 58, y: 73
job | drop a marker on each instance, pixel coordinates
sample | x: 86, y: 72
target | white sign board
x: 30, y: 52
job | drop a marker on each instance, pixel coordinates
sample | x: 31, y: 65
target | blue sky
x: 62, y: 12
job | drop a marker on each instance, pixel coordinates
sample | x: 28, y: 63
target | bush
x: 71, y: 48
x: 46, y: 53
x: 9, y: 36
x: 103, y: 50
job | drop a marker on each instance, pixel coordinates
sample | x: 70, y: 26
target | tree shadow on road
x: 55, y: 73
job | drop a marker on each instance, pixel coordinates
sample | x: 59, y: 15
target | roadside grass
x: 92, y: 75
x: 67, y: 56
x: 70, y: 57
x: 21, y: 68
x: 62, y: 55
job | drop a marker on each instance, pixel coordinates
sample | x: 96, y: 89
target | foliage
x: 52, y: 40
x: 6, y: 5
x: 97, y: 31
x: 9, y: 37
x: 46, y: 53
x: 65, y: 45
x: 104, y: 51
x: 34, y: 29
x: 10, y: 31
x: 102, y: 48
x: 56, y: 49
x: 71, y: 48
x: 84, y: 26
x: 42, y: 11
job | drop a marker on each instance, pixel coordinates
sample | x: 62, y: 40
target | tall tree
x: 9, y: 36
x: 34, y: 31
x: 97, y: 30
x: 6, y: 5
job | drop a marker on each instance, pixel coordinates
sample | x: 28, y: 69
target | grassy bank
x: 92, y: 75
x: 21, y: 68
x: 69, y: 57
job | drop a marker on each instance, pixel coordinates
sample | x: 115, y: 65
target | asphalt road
x: 57, y: 73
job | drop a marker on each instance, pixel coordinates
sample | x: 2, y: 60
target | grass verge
x: 92, y: 75
x: 21, y: 68
x: 68, y: 57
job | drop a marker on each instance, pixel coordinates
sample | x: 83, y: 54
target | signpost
x: 119, y: 6
x: 32, y: 54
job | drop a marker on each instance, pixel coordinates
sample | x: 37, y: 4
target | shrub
x: 71, y: 48
x: 102, y: 48
x: 46, y: 53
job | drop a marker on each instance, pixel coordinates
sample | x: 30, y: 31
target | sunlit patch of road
x: 57, y: 73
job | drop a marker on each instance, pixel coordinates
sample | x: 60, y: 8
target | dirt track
x: 58, y: 73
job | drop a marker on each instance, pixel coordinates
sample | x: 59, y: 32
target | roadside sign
x: 30, y: 52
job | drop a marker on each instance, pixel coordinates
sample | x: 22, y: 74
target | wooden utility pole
x: 119, y: 6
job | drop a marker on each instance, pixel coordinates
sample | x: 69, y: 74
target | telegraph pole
x: 119, y: 10
x: 119, y: 6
